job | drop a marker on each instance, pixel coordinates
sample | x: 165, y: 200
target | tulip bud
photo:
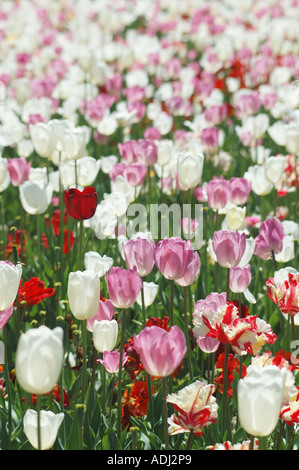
x: 105, y: 334
x: 111, y: 361
x: 260, y: 396
x: 49, y: 426
x: 39, y: 359
x: 84, y: 294
x: 190, y: 169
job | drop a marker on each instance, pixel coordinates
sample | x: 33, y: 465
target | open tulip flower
x: 81, y: 205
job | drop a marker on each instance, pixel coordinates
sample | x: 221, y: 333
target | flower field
x: 149, y: 197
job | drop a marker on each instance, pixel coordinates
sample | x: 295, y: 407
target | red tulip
x: 81, y: 205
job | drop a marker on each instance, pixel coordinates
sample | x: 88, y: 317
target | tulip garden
x: 149, y: 197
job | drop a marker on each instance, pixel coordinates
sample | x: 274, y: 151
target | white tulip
x: 84, y: 294
x: 49, y: 426
x: 35, y: 196
x: 96, y: 263
x: 10, y: 277
x: 105, y: 333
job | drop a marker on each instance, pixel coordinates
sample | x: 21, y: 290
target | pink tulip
x: 239, y: 278
x: 19, y: 170
x: 111, y: 361
x: 229, y: 247
x: 247, y: 105
x: 146, y: 152
x: 172, y: 257
x: 139, y: 254
x: 240, y: 189
x: 207, y: 344
x: 160, y: 351
x: 218, y: 193
x: 123, y: 286
x: 105, y: 312
x: 209, y: 137
x: 127, y: 151
x: 269, y: 239
x: 135, y: 173
x: 191, y: 271
x: 215, y: 114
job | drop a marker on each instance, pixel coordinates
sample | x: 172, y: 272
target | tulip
x: 260, y: 396
x: 87, y: 171
x: 218, y: 193
x: 229, y: 247
x: 150, y: 290
x: 135, y: 173
x: 81, y: 205
x: 191, y: 273
x: 292, y: 139
x: 35, y: 196
x: 74, y: 142
x: 190, y: 169
x: 105, y: 333
x: 274, y: 168
x: 139, y: 255
x: 49, y: 426
x: 5, y: 316
x: 260, y: 184
x: 4, y: 174
x: 10, y: 277
x: 172, y: 256
x: 19, y: 170
x: 196, y: 408
x: 105, y: 312
x: 239, y: 278
x: 240, y: 189
x: 43, y: 138
x: 161, y: 351
x: 207, y: 344
x: 270, y: 239
x: 39, y: 359
x: 235, y: 218
x: 111, y: 361
x: 98, y: 264
x: 83, y: 292
x: 124, y: 285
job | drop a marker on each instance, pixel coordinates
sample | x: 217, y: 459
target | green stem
x: 84, y: 359
x: 225, y: 391
x: 7, y: 384
x: 80, y: 245
x: 262, y: 442
x: 171, y: 302
x: 123, y: 327
x: 165, y: 414
x: 187, y: 334
x: 190, y: 440
x: 38, y: 408
x: 143, y: 307
x: 274, y: 260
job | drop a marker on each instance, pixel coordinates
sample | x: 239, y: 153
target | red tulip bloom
x: 81, y: 205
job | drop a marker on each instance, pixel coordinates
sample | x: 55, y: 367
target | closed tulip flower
x: 81, y: 205
x: 39, y: 359
x: 150, y: 290
x: 105, y: 312
x: 10, y: 277
x: 19, y: 170
x: 49, y: 427
x: 190, y: 169
x: 239, y: 278
x: 83, y: 292
x: 172, y: 256
x: 292, y: 139
x: 35, y: 196
x: 161, y: 351
x: 123, y: 285
x: 218, y: 193
x: 229, y: 247
x: 44, y: 139
x: 260, y: 396
x: 191, y: 273
x: 240, y: 189
x: 139, y: 254
x: 98, y: 264
x: 269, y: 239
x: 74, y: 142
x: 111, y: 361
x: 105, y: 333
